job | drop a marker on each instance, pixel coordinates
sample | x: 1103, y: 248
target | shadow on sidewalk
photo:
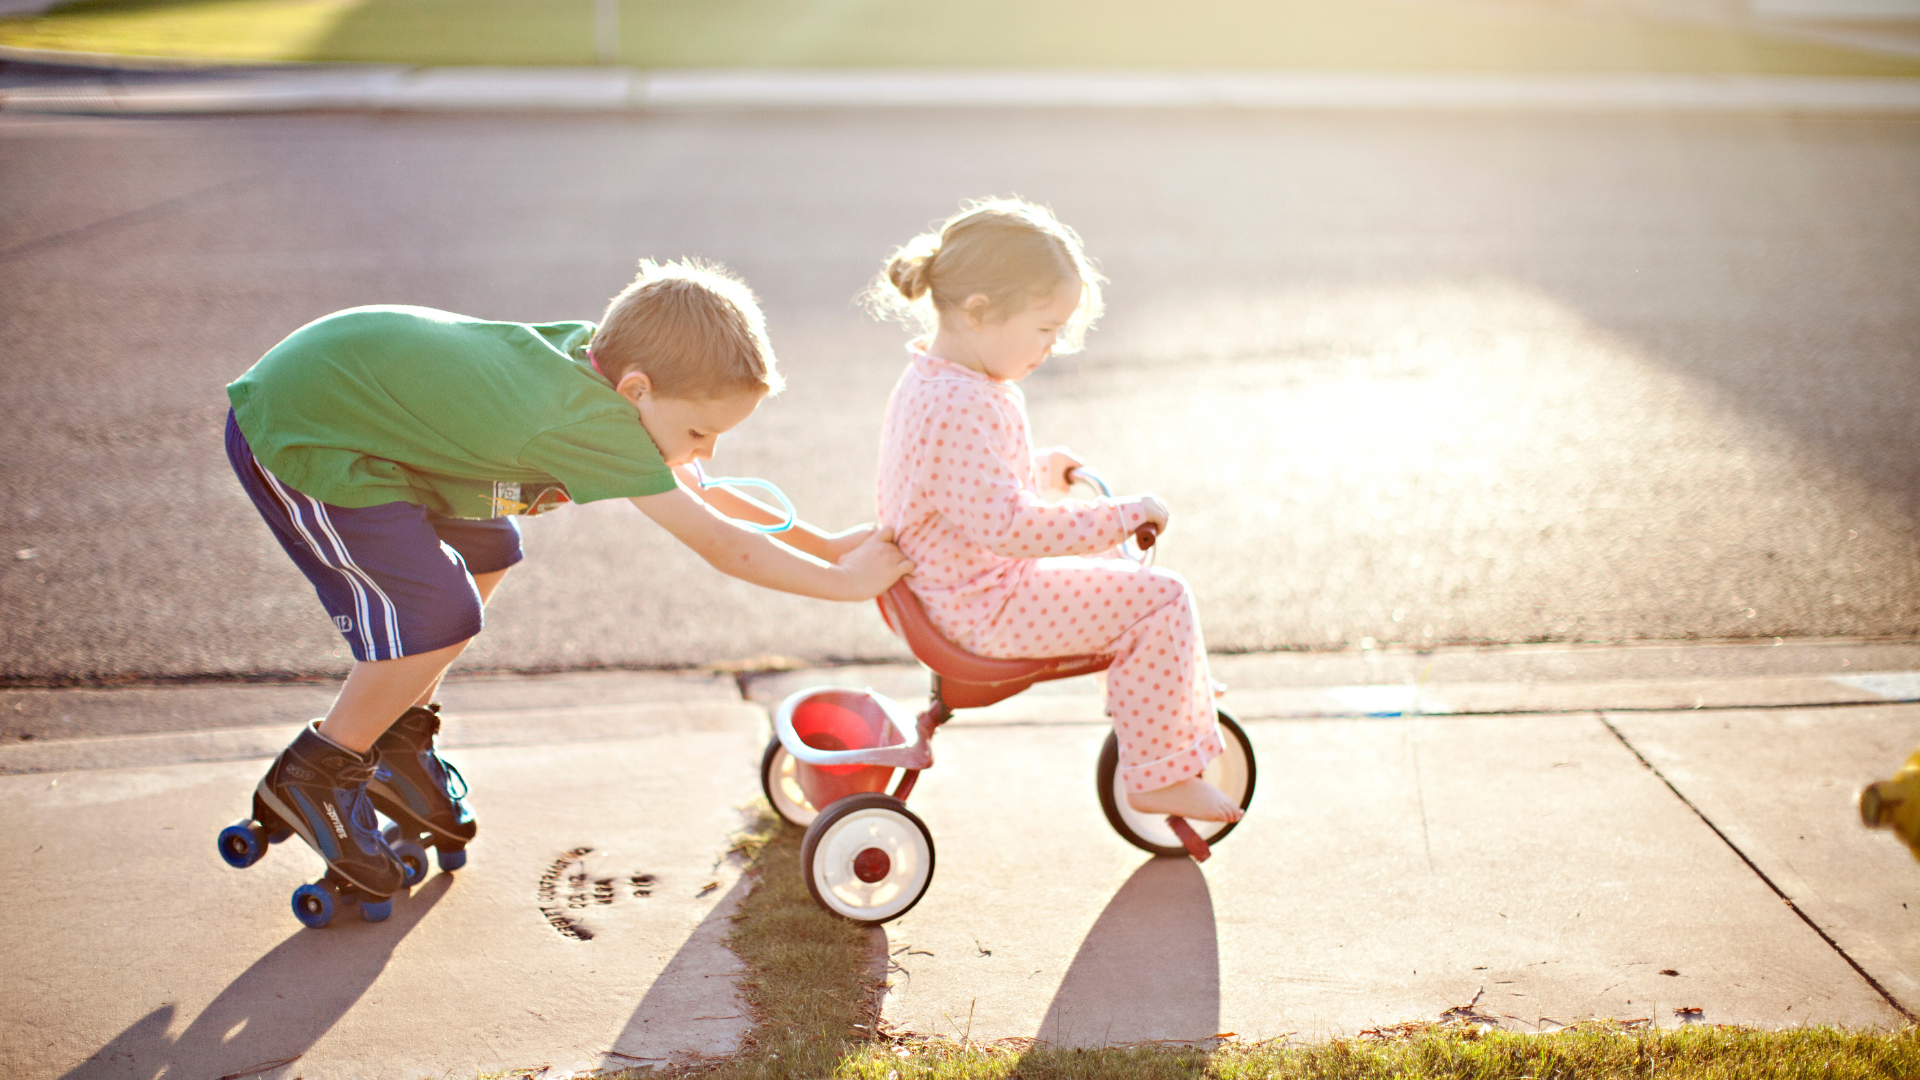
x: 276, y: 1010
x: 1149, y: 968
x: 692, y: 1009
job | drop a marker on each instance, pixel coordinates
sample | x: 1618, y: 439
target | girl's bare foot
x: 1192, y: 798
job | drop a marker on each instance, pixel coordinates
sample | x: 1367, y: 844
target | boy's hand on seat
x: 874, y: 565
x: 1054, y: 463
x: 835, y: 546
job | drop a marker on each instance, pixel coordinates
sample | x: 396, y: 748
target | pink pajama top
x: 958, y: 484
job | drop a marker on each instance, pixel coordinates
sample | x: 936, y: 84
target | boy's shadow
x: 275, y: 1010
x: 1149, y: 968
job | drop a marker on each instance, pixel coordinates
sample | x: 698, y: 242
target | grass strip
x: 811, y: 983
x: 227, y: 30
x: 1592, y: 1051
x: 1304, y: 35
x: 813, y: 986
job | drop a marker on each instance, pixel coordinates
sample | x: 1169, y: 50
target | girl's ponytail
x: 910, y: 270
x: 1008, y: 250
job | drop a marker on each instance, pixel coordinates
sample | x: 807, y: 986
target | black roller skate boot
x: 421, y: 793
x: 318, y: 790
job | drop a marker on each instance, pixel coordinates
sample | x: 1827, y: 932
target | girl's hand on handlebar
x: 1156, y: 511
x: 874, y: 565
x: 1055, y: 463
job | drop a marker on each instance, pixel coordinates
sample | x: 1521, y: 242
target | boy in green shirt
x: 388, y: 449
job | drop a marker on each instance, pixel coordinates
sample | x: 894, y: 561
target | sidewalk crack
x: 1759, y: 873
x: 1420, y: 793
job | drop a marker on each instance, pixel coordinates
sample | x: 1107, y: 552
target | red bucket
x: 836, y: 719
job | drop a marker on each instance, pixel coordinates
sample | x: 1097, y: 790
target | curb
x: 621, y: 90
x: 144, y: 62
x: 549, y: 726
x: 525, y: 727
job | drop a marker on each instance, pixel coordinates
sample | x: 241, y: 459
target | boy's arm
x: 822, y: 545
x: 863, y: 573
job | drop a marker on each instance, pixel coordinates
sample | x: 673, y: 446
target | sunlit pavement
x: 78, y: 91
x: 1415, y: 378
x: 585, y: 931
x: 1576, y: 861
x: 1635, y: 854
x: 1406, y: 380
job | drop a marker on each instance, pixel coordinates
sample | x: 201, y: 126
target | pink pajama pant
x: 1158, y: 693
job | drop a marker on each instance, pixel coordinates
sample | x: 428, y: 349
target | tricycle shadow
x: 1148, y: 970
x: 275, y: 1011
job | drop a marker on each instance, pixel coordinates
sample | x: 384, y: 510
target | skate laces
x: 446, y: 775
x: 365, y: 825
x: 355, y: 774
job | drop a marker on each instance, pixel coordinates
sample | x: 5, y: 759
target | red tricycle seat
x: 967, y: 681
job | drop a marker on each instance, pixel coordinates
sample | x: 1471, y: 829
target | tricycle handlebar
x: 1145, y: 535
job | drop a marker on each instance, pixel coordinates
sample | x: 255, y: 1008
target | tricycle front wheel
x: 867, y: 858
x: 1232, y: 772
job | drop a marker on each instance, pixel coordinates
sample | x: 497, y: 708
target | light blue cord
x: 748, y: 481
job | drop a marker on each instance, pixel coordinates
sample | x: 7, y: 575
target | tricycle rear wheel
x: 781, y: 785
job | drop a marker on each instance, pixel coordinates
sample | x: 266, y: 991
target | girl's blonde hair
x: 693, y: 328
x: 1008, y: 250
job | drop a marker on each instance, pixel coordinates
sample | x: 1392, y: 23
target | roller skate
x: 423, y: 795
x: 1895, y: 804
x: 319, y: 791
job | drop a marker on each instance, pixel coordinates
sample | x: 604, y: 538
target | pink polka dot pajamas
x: 1003, y: 573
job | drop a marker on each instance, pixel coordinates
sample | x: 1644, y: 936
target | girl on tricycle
x: 1001, y: 571
x: 1009, y: 588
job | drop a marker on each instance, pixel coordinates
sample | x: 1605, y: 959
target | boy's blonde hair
x: 694, y: 329
x: 1008, y: 250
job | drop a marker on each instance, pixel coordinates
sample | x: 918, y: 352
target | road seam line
x: 129, y: 217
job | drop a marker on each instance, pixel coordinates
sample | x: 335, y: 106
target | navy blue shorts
x: 397, y: 578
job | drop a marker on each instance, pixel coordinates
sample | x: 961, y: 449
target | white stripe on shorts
x: 392, y: 619
x: 358, y: 580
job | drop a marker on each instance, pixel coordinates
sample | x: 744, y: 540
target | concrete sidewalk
x: 585, y: 933
x: 1524, y: 869
x: 291, y: 88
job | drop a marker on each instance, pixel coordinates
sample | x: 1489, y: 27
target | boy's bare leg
x: 1192, y: 798
x: 486, y: 583
x: 378, y: 691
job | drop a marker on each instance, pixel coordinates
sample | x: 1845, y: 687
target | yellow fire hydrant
x: 1895, y: 804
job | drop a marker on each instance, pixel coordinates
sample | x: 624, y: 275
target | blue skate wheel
x: 242, y: 843
x: 376, y: 910
x: 314, y: 905
x: 413, y: 859
x: 453, y: 860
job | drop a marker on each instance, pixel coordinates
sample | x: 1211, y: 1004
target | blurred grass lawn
x: 1365, y: 35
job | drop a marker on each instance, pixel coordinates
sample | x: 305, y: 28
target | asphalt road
x: 1410, y: 378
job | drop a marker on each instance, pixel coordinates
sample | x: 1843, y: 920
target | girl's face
x: 1012, y: 348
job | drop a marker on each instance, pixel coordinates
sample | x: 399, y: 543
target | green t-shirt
x: 468, y: 418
